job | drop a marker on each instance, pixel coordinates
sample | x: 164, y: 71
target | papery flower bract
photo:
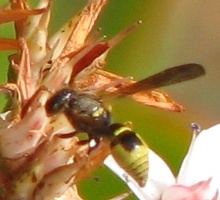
x: 35, y: 160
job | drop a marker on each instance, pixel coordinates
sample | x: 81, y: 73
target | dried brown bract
x: 37, y: 160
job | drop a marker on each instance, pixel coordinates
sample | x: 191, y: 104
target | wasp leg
x: 92, y: 142
x: 66, y: 135
x: 83, y: 142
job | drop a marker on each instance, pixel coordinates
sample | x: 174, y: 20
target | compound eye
x: 59, y: 101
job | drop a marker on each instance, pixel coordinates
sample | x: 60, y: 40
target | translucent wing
x: 167, y: 77
x: 141, y: 91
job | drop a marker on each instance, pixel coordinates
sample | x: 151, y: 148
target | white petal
x: 160, y: 177
x: 203, y: 161
x: 198, y: 191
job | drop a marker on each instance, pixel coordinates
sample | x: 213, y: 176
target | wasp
x: 88, y: 113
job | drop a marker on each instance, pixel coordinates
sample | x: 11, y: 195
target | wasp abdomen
x: 130, y: 152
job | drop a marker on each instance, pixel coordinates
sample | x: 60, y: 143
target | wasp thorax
x: 88, y: 114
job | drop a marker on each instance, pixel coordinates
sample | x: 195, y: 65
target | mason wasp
x: 87, y: 113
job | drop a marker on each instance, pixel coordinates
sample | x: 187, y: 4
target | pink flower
x: 198, y: 178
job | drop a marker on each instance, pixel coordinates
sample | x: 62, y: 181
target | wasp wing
x: 135, y: 90
x: 167, y: 77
